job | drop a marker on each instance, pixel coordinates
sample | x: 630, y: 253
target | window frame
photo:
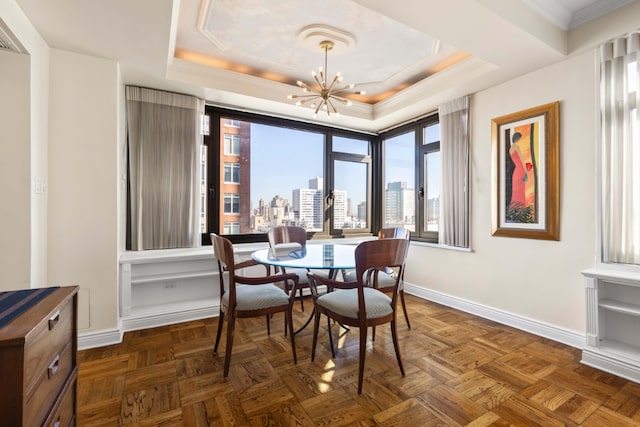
x: 335, y: 156
x: 234, y: 142
x: 234, y: 200
x: 418, y: 128
x: 234, y: 167
x: 213, y: 139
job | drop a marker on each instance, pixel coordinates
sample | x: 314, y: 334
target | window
x: 231, y: 203
x: 232, y: 123
x: 349, y: 196
x: 430, y: 182
x: 203, y: 185
x: 264, y: 172
x: 232, y: 173
x: 412, y: 178
x: 231, y: 228
x: 620, y: 152
x: 231, y: 144
x: 400, y: 181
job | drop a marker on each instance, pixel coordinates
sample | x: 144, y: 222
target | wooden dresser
x: 38, y: 364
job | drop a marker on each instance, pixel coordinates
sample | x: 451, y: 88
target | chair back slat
x: 380, y: 255
x: 394, y: 233
x: 223, y: 254
x: 287, y: 234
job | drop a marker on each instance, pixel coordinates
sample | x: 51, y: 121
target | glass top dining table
x: 332, y: 256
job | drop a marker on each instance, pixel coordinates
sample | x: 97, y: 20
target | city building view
x: 244, y: 209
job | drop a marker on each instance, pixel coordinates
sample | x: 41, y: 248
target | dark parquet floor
x: 460, y: 370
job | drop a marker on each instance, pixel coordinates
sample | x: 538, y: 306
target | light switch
x: 40, y: 186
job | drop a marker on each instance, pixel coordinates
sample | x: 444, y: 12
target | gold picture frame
x: 525, y: 196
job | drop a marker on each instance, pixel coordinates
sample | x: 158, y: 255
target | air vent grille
x: 5, y: 44
x: 8, y: 41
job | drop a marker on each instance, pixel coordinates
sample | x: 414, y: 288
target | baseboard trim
x: 143, y: 321
x: 101, y: 338
x: 104, y: 338
x: 153, y: 320
x: 565, y: 336
x: 612, y: 364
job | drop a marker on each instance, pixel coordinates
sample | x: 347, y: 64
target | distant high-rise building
x: 316, y: 183
x: 308, y: 205
x: 305, y: 201
x: 280, y: 213
x: 399, y: 204
x: 362, y: 211
x: 339, y: 208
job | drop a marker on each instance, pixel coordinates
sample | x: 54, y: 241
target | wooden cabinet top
x: 18, y: 330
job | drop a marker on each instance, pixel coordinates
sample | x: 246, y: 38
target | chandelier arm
x: 335, y: 79
x: 343, y: 90
x: 333, y: 107
x: 315, y: 76
x: 340, y: 98
x: 304, y: 101
x: 304, y: 96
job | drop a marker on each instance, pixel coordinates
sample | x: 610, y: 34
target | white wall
x: 83, y: 183
x: 15, y: 225
x: 24, y: 135
x: 534, y: 279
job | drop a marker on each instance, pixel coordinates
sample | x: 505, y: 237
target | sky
x: 285, y: 159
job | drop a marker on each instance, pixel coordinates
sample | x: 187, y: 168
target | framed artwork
x: 526, y: 187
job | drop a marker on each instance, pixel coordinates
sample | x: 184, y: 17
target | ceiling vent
x: 8, y: 42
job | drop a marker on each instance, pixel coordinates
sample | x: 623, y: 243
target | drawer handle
x: 57, y: 423
x: 53, y: 320
x: 53, y: 367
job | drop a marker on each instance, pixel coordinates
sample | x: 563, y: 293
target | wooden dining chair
x: 244, y: 296
x: 387, y: 278
x: 359, y: 303
x: 287, y: 238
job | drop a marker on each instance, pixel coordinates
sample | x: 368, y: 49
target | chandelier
x: 327, y: 93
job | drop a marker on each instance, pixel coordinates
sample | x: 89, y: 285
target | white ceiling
x: 409, y: 55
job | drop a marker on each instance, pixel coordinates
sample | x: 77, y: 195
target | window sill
x: 206, y: 252
x: 613, y: 272
x: 439, y: 246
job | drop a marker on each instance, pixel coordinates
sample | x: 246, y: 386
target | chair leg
x: 231, y: 323
x: 333, y: 351
x: 301, y: 300
x: 316, y: 326
x: 268, y: 325
x: 404, y: 309
x: 286, y: 323
x: 394, y: 335
x: 363, y: 352
x: 373, y: 333
x: 219, y: 333
x: 289, y: 321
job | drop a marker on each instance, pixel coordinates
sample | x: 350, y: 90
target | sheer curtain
x: 163, y: 131
x: 454, y: 152
x: 620, y: 149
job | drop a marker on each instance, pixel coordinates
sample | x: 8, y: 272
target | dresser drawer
x: 47, y: 340
x: 64, y: 414
x: 38, y: 362
x: 48, y: 386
